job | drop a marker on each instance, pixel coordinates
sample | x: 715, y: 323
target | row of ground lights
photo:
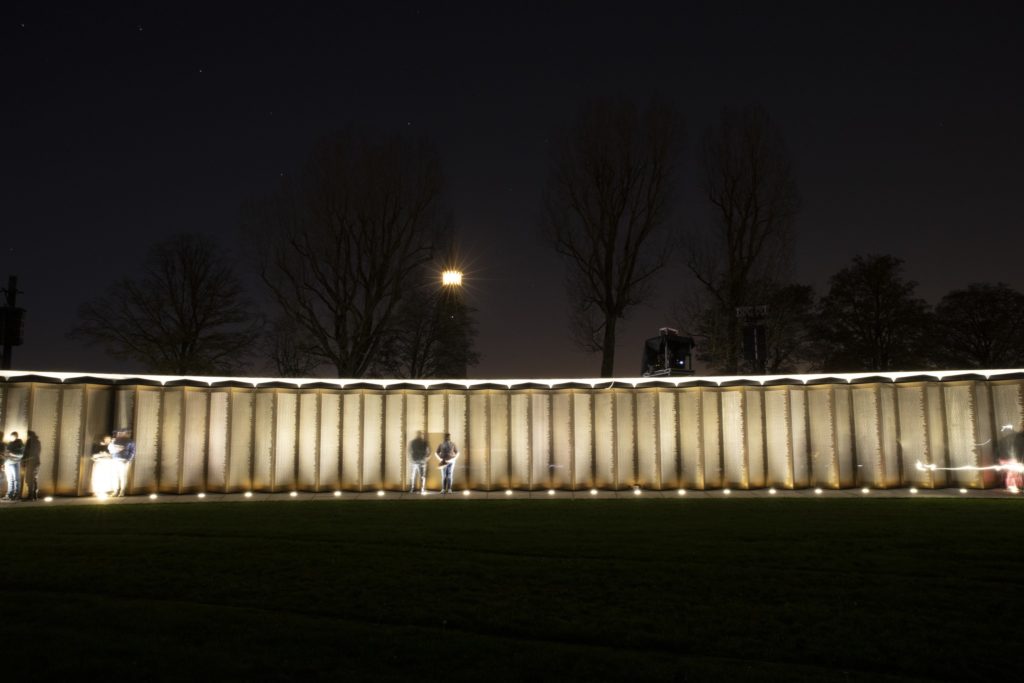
x: 508, y: 492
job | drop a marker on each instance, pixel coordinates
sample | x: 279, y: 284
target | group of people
x: 111, y: 462
x: 21, y: 465
x: 419, y: 456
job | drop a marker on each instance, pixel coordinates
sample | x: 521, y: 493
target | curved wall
x: 230, y: 434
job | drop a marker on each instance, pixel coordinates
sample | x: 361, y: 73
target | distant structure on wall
x: 667, y: 355
x: 229, y: 434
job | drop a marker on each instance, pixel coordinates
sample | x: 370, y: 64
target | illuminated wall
x: 218, y: 434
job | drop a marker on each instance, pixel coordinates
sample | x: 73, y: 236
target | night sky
x: 123, y: 127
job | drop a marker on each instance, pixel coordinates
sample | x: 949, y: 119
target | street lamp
x: 451, y: 278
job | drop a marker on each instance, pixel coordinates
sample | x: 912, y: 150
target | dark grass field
x: 899, y: 589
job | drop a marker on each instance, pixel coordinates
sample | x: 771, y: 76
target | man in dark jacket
x: 31, y: 465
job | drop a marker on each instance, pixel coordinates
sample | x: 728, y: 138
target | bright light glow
x: 337, y: 494
x: 152, y: 496
x: 48, y: 499
x: 865, y: 490
x: 551, y: 492
x: 772, y: 491
x: 248, y: 494
x: 637, y: 491
x: 293, y: 494
x: 104, y: 476
x: 508, y: 492
x: 963, y: 490
x: 465, y: 492
x: 593, y: 492
x: 817, y: 491
x: 1010, y: 466
x: 380, y: 493
x: 202, y: 495
x: 913, y: 490
x: 681, y: 492
x: 727, y: 491
x: 451, y: 278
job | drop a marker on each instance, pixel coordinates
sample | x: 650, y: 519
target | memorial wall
x: 233, y: 435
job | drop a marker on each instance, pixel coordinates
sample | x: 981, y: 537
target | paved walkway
x: 627, y: 494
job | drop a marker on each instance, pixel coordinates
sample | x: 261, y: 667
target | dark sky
x: 124, y: 126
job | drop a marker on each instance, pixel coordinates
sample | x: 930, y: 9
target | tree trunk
x: 608, y: 348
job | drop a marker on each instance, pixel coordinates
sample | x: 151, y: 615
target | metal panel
x: 604, y: 438
x: 914, y: 442
x: 669, y: 440
x: 147, y: 440
x: 821, y: 432
x: 541, y: 440
x: 648, y: 432
x: 691, y: 428
x: 499, y: 412
x: 308, y: 439
x: 734, y: 439
x: 351, y: 441
x: 562, y: 429
x: 263, y: 440
x: 373, y: 446
x: 714, y: 474
x: 217, y: 442
x: 193, y: 473
x: 754, y: 421
x: 330, y: 441
x: 239, y: 476
x: 478, y: 450
x: 519, y: 427
x: 72, y: 448
x: 778, y: 438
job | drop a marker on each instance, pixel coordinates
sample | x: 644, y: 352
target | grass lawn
x: 896, y: 589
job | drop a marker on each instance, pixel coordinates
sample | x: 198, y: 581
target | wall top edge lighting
x: 23, y: 376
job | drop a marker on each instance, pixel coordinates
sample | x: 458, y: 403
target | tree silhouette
x: 341, y: 247
x: 184, y: 315
x: 979, y: 327
x: 871, y: 320
x: 606, y: 203
x: 741, y: 261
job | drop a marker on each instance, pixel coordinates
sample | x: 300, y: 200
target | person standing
x: 15, y: 451
x: 446, y: 453
x: 419, y: 452
x: 30, y: 462
x: 122, y: 456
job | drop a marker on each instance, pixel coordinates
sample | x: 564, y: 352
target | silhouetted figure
x: 14, y: 452
x: 419, y: 453
x: 30, y: 463
x: 446, y: 453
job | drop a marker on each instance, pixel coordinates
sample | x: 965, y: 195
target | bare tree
x: 186, y: 314
x: 341, y: 247
x: 607, y: 201
x: 748, y: 181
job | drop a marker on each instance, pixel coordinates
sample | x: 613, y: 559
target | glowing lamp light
x: 593, y: 492
x: 152, y: 496
x: 337, y: 494
x: 48, y: 499
x: 248, y: 494
x: 681, y: 492
x: 293, y: 494
x: 727, y: 491
x: 201, y: 494
x: 963, y: 490
x: 551, y: 492
x: 466, y: 492
x: 913, y: 490
x: 772, y: 491
x: 380, y: 493
x: 508, y: 492
x: 865, y: 490
x: 451, y: 278
x: 637, y: 491
x: 817, y: 491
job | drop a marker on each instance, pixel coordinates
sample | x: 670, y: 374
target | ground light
x: 913, y: 490
x: 817, y: 491
x: 337, y: 494
x: 637, y: 491
x: 508, y: 492
x: 465, y: 492
x: 152, y: 496
x: 551, y: 492
x: 248, y: 494
x: 593, y: 492
x: 48, y: 499
x: 726, y: 491
x: 201, y: 495
x: 772, y: 491
x: 380, y: 493
x: 865, y: 490
x: 293, y: 494
x: 963, y: 490
x: 681, y: 492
